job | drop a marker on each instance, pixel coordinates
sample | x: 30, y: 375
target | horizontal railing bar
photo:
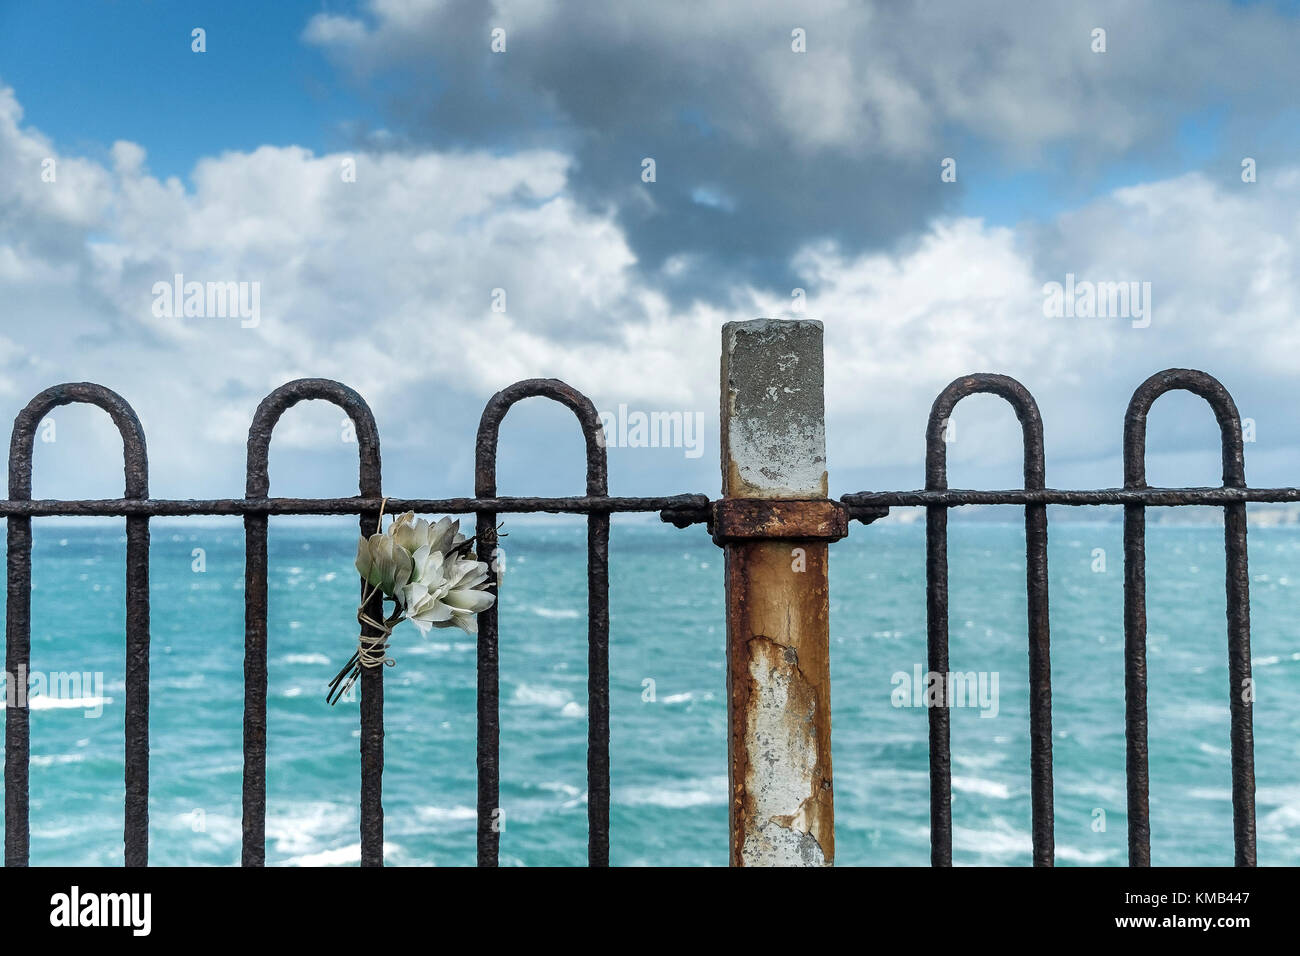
x: 164, y: 507
x: 694, y: 505
x: 589, y: 504
x: 1155, y: 497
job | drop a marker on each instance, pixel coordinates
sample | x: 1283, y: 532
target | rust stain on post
x: 774, y: 524
x: 779, y: 705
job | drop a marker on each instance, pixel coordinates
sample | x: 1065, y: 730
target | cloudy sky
x: 776, y: 169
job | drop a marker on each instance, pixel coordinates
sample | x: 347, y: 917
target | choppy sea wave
x: 668, y: 700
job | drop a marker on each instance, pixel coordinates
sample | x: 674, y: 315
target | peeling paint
x: 779, y: 705
x: 778, y: 666
x: 780, y: 846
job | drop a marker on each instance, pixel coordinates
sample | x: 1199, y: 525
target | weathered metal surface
x: 18, y: 619
x: 1135, y: 497
x: 256, y: 507
x: 735, y: 519
x: 696, y: 507
x: 489, y: 728
x: 782, y: 806
x: 782, y: 812
x: 1040, y: 671
x: 1240, y: 693
x: 773, y: 410
x: 372, y: 678
x: 778, y: 661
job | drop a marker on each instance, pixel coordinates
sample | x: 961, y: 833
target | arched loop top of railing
x: 134, y: 455
x: 1199, y: 383
x: 485, y: 459
x: 1026, y: 409
x: 305, y: 389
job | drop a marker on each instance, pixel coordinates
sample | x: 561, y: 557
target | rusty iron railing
x: 681, y: 510
x: 1135, y: 496
x: 256, y: 508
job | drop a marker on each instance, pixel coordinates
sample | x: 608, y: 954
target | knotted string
x: 372, y: 649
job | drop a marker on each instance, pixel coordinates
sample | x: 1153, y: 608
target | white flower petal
x: 472, y: 601
x: 363, y: 562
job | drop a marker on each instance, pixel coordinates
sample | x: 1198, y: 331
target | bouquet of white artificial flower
x: 431, y: 574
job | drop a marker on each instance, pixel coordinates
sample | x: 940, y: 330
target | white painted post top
x: 773, y: 409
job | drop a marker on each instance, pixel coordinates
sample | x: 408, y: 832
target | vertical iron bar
x: 936, y: 627
x: 1240, y: 691
x: 1040, y: 659
x: 488, y: 752
x: 254, y: 782
x: 372, y: 710
x: 1040, y: 668
x: 255, y: 609
x: 598, y: 688
x: 1136, y: 761
x: 489, y: 727
x: 1240, y: 683
x: 136, y: 827
x: 18, y: 643
x: 936, y: 635
x: 135, y: 468
x: 936, y: 608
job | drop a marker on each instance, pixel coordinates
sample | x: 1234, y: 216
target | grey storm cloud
x: 759, y: 149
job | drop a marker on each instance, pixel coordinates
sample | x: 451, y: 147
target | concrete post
x: 774, y: 523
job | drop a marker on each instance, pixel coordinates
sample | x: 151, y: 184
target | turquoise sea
x: 669, y: 753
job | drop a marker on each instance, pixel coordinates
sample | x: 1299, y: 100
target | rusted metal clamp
x: 740, y: 518
x: 809, y: 519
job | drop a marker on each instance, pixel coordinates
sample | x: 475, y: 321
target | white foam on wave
x: 55, y: 833
x: 53, y: 760
x: 428, y: 647
x: 542, y: 696
x: 313, y: 658
x: 1285, y: 813
x: 1204, y: 711
x: 982, y: 787
x: 304, y: 829
x: 1003, y: 840
x: 1280, y: 821
x: 446, y: 814
x: 339, y: 856
x: 439, y: 647
x: 64, y: 703
x: 556, y: 613
x: 568, y: 789
x: 703, y: 792
x: 1073, y: 854
x: 979, y: 761
x: 1280, y: 795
